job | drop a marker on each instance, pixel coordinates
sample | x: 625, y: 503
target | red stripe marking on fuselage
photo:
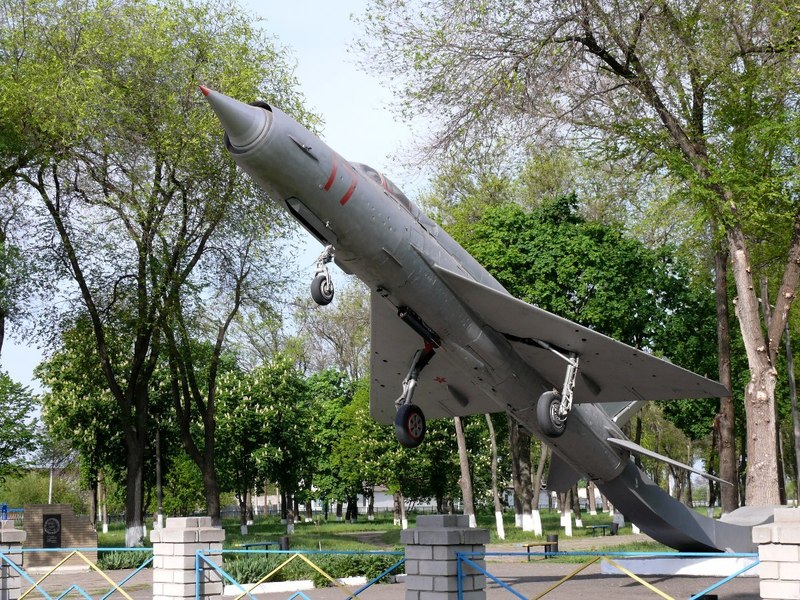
x: 332, y: 177
x: 349, y: 193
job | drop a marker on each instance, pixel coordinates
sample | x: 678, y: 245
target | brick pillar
x: 779, y: 551
x: 174, y: 551
x: 431, y: 565
x: 11, y: 545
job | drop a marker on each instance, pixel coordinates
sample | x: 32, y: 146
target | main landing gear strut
x: 322, y: 284
x: 552, y: 408
x: 409, y: 422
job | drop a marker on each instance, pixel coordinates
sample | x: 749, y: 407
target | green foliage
x: 335, y: 476
x: 32, y: 487
x: 112, y: 561
x: 587, y: 272
x: 78, y: 407
x: 251, y: 568
x: 183, y: 487
x: 263, y: 426
x: 18, y: 436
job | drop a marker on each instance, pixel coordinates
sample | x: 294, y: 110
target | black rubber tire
x: 409, y: 425
x: 547, y: 414
x: 322, y: 290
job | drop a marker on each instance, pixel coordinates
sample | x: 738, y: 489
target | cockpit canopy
x: 388, y: 186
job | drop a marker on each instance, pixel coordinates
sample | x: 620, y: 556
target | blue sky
x: 354, y: 106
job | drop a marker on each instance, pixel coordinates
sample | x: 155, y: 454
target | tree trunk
x: 759, y: 397
x: 515, y: 479
x: 795, y: 412
x: 465, y: 481
x: 159, y: 487
x: 134, y: 509
x: 242, y: 496
x: 397, y: 501
x: 93, y: 501
x: 576, y: 506
x: 537, y: 482
x: 767, y: 312
x: 521, y: 446
x: 729, y: 494
x: 498, y: 505
x: 370, y: 504
x: 591, y: 499
x: 712, y: 469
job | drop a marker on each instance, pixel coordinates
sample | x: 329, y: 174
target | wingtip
x: 206, y: 91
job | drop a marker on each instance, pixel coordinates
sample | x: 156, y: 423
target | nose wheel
x: 322, y: 284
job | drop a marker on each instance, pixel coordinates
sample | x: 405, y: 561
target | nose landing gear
x: 322, y: 284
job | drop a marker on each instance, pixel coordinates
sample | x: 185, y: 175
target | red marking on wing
x: 440, y: 379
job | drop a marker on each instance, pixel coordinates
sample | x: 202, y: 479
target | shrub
x: 110, y: 561
x: 249, y: 568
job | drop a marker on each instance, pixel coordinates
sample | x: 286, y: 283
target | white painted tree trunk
x: 527, y: 521
x: 537, y: 522
x: 134, y: 535
x: 501, y: 530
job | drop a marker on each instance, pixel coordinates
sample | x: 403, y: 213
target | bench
x: 546, y: 548
x: 595, y: 528
x: 264, y: 545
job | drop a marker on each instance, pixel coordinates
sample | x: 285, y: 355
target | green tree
x: 704, y: 92
x: 333, y: 477
x: 127, y: 163
x: 282, y: 394
x: 245, y: 418
x: 18, y: 436
x: 78, y: 408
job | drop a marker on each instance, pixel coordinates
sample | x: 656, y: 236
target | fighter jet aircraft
x: 449, y: 340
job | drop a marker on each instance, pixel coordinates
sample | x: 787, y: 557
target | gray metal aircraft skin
x: 448, y: 340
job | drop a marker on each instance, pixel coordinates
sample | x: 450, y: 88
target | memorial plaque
x: 54, y: 526
x: 51, y: 531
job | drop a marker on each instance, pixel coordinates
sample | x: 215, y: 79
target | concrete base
x: 702, y: 567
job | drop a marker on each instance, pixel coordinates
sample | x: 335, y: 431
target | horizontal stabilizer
x: 636, y: 448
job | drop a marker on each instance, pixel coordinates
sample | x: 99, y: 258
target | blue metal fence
x: 204, y: 561
x: 466, y: 558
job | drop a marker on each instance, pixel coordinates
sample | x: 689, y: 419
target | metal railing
x: 205, y: 562
x: 37, y: 585
x: 466, y: 558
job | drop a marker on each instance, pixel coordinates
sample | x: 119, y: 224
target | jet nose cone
x: 244, y: 124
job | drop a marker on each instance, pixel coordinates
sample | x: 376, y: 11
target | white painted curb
x: 277, y: 587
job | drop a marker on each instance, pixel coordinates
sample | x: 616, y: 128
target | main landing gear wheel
x: 409, y: 425
x: 322, y: 289
x: 547, y: 412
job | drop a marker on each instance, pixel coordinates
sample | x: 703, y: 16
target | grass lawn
x: 379, y: 534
